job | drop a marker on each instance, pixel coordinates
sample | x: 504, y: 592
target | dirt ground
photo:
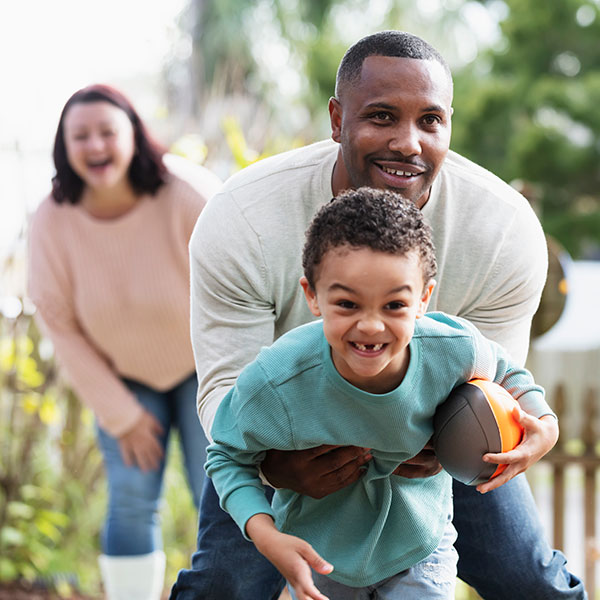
x: 21, y: 591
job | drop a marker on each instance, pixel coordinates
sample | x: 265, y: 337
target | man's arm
x: 231, y: 315
x: 514, y: 287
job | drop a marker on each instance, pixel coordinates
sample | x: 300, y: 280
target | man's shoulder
x: 469, y: 175
x: 283, y: 165
x: 478, y: 202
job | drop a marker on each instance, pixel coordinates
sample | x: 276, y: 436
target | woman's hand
x: 539, y: 437
x: 292, y: 556
x: 141, y: 445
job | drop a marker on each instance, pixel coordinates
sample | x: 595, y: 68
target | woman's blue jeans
x: 132, y: 524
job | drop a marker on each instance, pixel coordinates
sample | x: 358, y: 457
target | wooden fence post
x: 590, y: 467
x: 558, y: 476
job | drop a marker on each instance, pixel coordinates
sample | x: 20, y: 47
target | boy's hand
x: 292, y: 556
x: 539, y: 437
x: 315, y: 472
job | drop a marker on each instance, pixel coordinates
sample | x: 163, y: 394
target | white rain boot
x: 139, y: 577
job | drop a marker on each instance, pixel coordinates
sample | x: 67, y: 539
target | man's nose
x: 406, y: 139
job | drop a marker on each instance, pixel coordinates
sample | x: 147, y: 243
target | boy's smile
x: 369, y: 302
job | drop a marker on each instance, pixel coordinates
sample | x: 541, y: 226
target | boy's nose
x: 370, y: 325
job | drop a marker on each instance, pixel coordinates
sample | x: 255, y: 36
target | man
x: 391, y: 123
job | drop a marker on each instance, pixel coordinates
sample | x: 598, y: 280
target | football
x: 476, y: 418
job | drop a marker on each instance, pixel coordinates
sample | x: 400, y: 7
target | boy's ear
x: 425, y: 298
x: 311, y: 297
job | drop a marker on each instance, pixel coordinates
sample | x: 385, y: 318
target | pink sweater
x: 113, y: 295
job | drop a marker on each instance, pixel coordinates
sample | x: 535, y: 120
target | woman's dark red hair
x: 146, y: 172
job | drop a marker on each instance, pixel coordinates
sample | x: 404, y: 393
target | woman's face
x: 100, y: 143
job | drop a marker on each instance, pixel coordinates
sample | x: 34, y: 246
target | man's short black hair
x: 381, y: 220
x: 399, y: 44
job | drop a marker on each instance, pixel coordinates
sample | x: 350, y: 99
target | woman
x: 109, y: 274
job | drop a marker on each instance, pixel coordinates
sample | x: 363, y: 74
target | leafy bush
x: 52, y: 492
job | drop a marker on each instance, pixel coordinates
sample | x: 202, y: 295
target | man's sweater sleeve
x: 231, y: 315
x: 515, y: 286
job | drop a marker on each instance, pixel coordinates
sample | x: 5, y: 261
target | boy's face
x: 369, y: 302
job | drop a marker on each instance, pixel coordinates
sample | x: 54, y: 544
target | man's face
x: 393, y: 126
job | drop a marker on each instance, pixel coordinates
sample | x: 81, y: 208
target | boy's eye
x: 346, y: 304
x: 396, y: 305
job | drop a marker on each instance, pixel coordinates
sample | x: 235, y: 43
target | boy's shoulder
x: 440, y: 324
x: 294, y: 353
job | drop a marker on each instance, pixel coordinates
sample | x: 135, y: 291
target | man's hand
x: 292, y: 556
x: 424, y: 464
x: 316, y: 472
x: 141, y: 444
x: 539, y: 437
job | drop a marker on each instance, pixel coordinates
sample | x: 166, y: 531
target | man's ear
x: 335, y: 117
x: 311, y: 297
x: 425, y: 298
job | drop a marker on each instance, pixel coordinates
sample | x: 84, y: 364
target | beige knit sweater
x: 113, y: 294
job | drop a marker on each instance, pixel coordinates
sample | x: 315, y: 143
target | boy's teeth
x: 365, y: 347
x: 399, y: 173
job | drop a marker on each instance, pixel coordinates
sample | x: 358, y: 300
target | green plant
x: 49, y: 466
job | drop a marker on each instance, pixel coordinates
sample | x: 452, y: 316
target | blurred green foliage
x: 52, y: 491
x: 525, y: 106
x: 528, y: 111
x: 49, y: 470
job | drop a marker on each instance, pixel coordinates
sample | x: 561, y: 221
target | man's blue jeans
x: 502, y: 551
x: 132, y: 524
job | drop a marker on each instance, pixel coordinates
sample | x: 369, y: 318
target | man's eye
x: 431, y: 120
x: 381, y: 116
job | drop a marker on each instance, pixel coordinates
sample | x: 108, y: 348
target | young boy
x: 370, y: 373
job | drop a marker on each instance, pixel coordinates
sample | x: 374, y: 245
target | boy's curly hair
x: 368, y: 218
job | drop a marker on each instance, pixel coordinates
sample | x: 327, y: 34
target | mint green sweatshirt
x: 291, y: 398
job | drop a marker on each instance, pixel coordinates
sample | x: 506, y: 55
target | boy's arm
x: 292, y: 556
x: 241, y: 437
